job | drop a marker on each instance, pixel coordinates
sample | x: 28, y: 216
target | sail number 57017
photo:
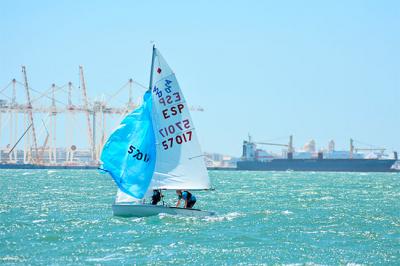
x: 178, y: 139
x: 171, y: 129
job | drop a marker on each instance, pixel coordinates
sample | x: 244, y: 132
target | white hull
x: 143, y: 210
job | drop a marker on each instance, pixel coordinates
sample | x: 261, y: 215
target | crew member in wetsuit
x: 156, y: 198
x: 189, y: 198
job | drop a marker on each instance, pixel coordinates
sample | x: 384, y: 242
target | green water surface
x: 64, y: 217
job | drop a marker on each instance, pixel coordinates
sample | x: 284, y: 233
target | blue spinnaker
x: 129, y: 154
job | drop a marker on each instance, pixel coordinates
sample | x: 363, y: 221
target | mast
x: 152, y: 66
x: 130, y: 103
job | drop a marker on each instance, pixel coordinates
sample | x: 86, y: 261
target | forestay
x: 180, y: 162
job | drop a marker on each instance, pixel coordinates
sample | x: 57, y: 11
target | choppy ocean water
x: 64, y: 217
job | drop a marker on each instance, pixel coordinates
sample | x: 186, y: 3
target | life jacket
x: 189, y: 195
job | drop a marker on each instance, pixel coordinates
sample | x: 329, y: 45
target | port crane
x: 86, y: 110
x: 289, y: 145
x: 354, y: 149
x: 94, y: 116
x: 29, y: 108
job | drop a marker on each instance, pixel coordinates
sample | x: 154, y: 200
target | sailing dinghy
x: 155, y: 147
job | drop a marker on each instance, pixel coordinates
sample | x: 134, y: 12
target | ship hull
x: 323, y: 165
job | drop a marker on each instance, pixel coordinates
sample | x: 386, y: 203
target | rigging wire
x: 140, y: 85
x: 118, y: 91
x: 43, y: 94
x: 6, y: 96
x: 6, y: 87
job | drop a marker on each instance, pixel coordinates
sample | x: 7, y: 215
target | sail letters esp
x: 172, y: 111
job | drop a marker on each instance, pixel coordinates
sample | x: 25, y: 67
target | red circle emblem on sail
x: 158, y: 70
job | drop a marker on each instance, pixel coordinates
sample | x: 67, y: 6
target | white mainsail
x: 180, y: 162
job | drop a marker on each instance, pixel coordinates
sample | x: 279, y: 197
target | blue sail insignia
x: 129, y: 154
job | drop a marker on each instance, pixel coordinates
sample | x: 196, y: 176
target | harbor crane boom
x: 272, y: 144
x: 86, y: 107
x: 290, y: 145
x: 30, y: 114
x: 370, y: 149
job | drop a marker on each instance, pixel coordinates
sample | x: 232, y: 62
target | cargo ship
x: 308, y: 159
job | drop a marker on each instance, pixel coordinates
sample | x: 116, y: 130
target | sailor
x: 156, y: 198
x: 189, y: 198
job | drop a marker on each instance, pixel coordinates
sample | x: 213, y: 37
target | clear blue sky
x: 315, y: 69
